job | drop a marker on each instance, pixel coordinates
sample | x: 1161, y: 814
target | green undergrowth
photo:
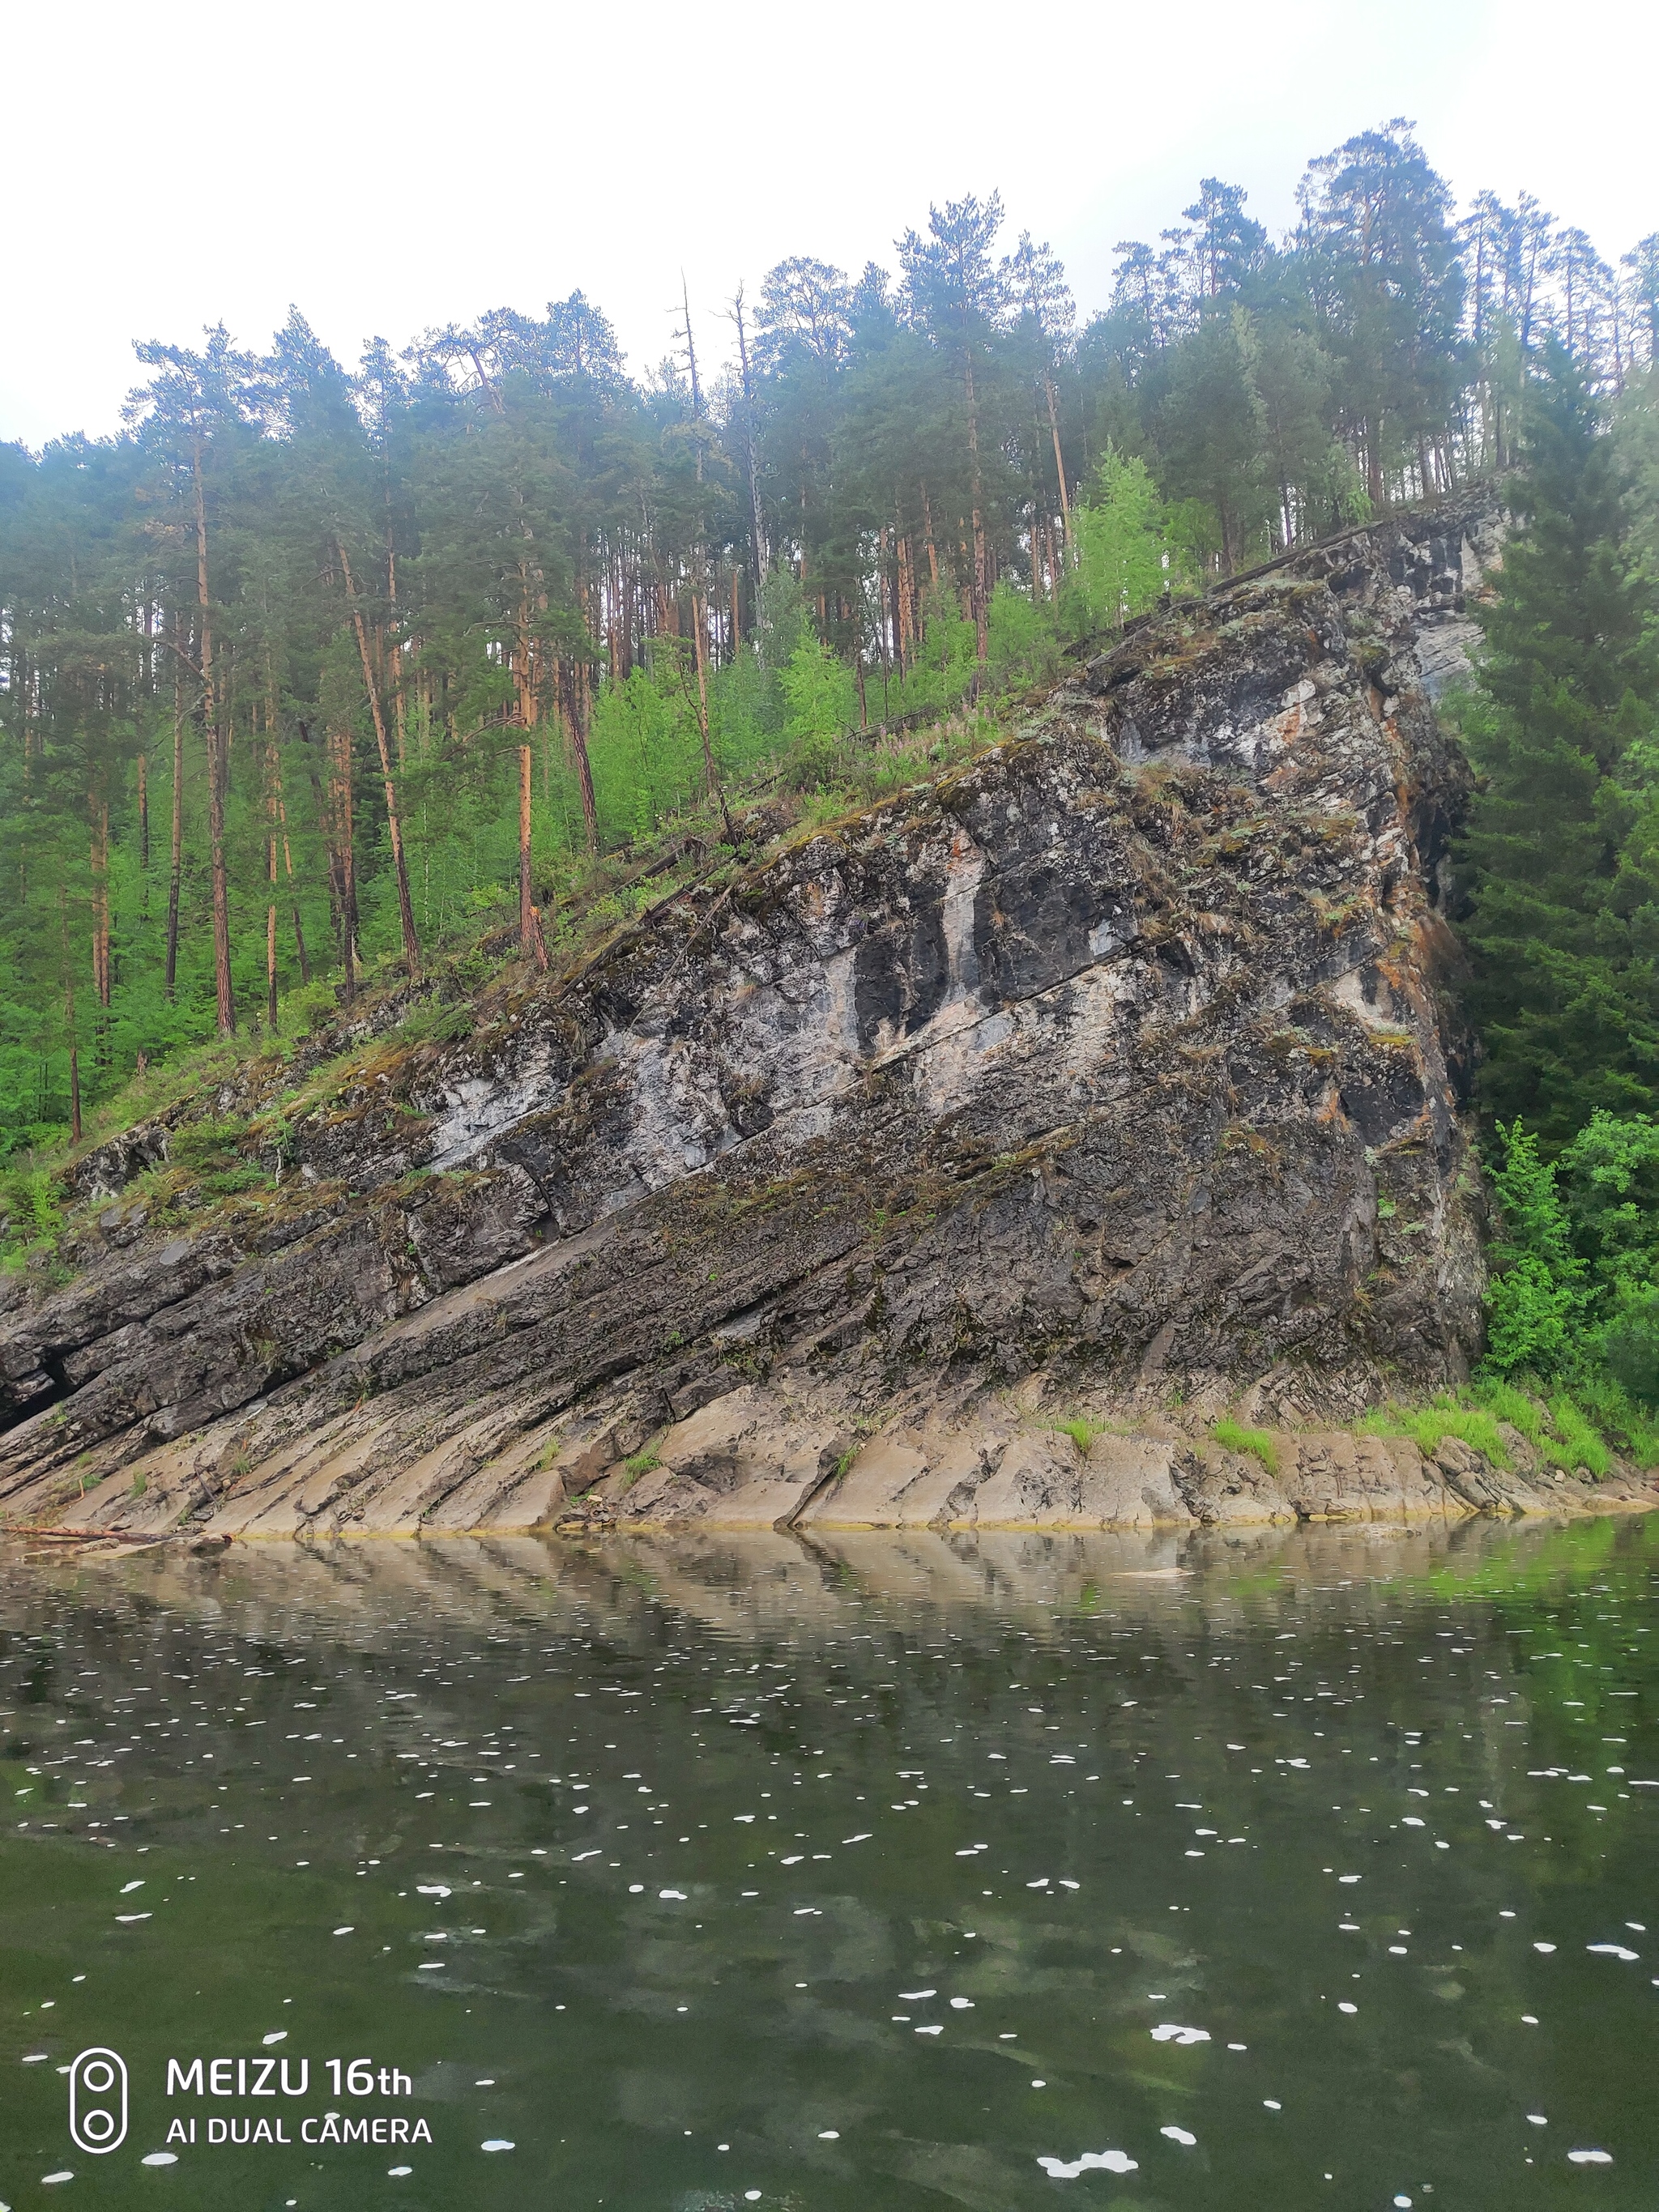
x: 1567, y: 1431
x: 1081, y: 1430
x: 1234, y: 1436
x: 31, y: 1211
x: 821, y: 781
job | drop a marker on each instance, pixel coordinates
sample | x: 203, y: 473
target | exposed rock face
x: 1111, y: 1067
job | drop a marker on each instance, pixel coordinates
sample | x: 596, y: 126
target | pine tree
x: 1564, y: 983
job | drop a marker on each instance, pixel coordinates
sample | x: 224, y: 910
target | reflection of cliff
x: 756, y: 1585
x: 1109, y: 1069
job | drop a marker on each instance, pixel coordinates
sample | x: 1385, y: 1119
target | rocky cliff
x: 1106, y: 1077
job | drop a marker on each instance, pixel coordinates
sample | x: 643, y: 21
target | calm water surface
x: 1317, y: 1871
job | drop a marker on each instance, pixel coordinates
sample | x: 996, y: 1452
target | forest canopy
x: 317, y: 667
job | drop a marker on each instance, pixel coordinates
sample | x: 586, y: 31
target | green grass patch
x: 1506, y: 1403
x: 1580, y: 1445
x: 1234, y: 1436
x: 1474, y: 1426
x: 1081, y: 1431
x: 1564, y: 1431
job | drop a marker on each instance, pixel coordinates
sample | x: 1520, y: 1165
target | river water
x: 1310, y: 1870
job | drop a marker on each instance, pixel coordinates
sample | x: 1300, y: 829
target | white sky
x: 393, y: 167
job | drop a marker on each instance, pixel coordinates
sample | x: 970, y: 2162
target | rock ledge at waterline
x: 1109, y: 1073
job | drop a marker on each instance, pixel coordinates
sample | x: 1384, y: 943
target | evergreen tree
x: 1559, y: 920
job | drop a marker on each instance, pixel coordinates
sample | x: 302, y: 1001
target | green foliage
x: 208, y: 1144
x: 1579, y: 1443
x: 1233, y: 1437
x: 1575, y: 1288
x: 820, y: 693
x: 1504, y: 1402
x: 1125, y: 552
x: 1535, y: 1299
x: 31, y: 1211
x: 1561, y: 1430
x: 222, y: 1155
x: 1474, y: 1426
x: 1612, y: 1170
x: 1561, y: 853
x: 1082, y: 1431
x: 1626, y: 1424
x: 1569, y: 1430
x: 1025, y: 644
x: 436, y: 1023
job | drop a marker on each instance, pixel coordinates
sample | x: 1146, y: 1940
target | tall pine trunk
x: 340, y: 744
x: 271, y: 873
x: 68, y: 1020
x: 98, y: 808
x: 756, y: 526
x: 527, y: 890
x: 176, y: 860
x: 405, y: 907
x: 1059, y: 472
x: 279, y: 812
x: 218, y: 753
x: 710, y: 781
x: 981, y: 633
x: 577, y: 734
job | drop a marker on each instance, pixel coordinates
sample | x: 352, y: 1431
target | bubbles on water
x: 1103, y: 2161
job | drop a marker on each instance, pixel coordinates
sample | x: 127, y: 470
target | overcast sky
x: 390, y: 168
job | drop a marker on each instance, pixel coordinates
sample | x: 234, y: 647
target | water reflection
x: 877, y: 1870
